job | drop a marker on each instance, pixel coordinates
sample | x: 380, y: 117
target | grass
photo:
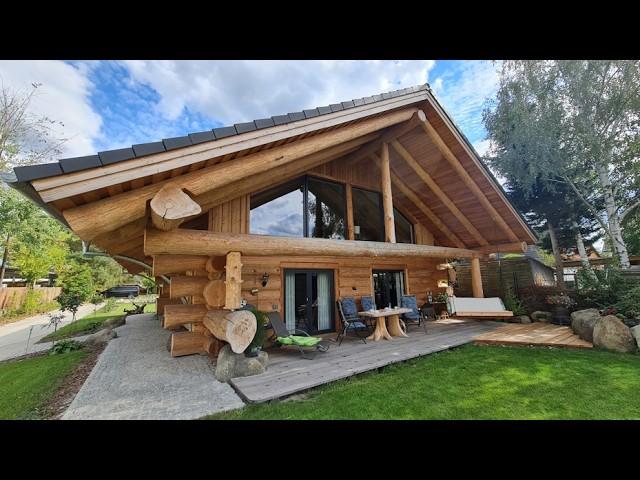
x: 477, y: 382
x: 92, y: 322
x: 26, y: 385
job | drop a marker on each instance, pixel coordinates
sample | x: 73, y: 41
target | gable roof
x: 108, y: 157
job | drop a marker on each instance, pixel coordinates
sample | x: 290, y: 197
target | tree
x: 573, y: 122
x: 631, y: 233
x: 24, y: 138
x: 77, y: 286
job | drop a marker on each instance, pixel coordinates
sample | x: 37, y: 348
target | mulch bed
x: 72, y: 383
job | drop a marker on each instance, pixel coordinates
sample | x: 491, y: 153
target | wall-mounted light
x: 254, y: 291
x: 265, y: 279
x: 354, y: 288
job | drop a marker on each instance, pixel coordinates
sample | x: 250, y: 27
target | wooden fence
x: 11, y: 298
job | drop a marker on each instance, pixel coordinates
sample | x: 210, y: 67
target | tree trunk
x: 556, y: 254
x: 5, y: 255
x: 584, y: 259
x: 619, y: 247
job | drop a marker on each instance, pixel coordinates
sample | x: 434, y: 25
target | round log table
x: 382, y: 330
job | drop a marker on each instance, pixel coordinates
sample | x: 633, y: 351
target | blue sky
x: 113, y: 104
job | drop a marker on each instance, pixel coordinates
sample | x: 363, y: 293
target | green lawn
x: 92, y: 322
x: 26, y: 385
x: 477, y: 382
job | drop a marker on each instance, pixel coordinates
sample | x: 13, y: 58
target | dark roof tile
x: 295, y: 116
x: 264, y: 123
x: 75, y: 164
x: 245, y: 127
x: 313, y: 112
x: 201, y: 137
x: 143, y: 149
x: 358, y: 101
x: 368, y: 100
x: 280, y: 119
x: 176, y: 142
x: 223, y: 132
x: 324, y: 110
x: 32, y: 172
x: 348, y: 104
x: 336, y: 107
x: 112, y: 156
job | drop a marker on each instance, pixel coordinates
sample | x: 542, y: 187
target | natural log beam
x: 187, y: 343
x: 184, y: 286
x: 237, y: 328
x: 214, y: 293
x: 171, y: 206
x: 181, y: 314
x: 164, y: 264
x: 466, y: 178
x: 349, y: 197
x: 476, y: 278
x: 390, y: 134
x: 161, y: 304
x: 444, y: 198
x: 190, y: 242
x: 233, y: 281
x: 94, y: 218
x: 387, y: 198
x: 413, y: 197
x: 125, y: 235
x: 515, y: 247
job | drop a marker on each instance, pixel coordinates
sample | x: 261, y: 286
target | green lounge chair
x: 306, y: 344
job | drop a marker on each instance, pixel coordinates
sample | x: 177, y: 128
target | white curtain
x: 399, y: 287
x: 324, y: 301
x: 290, y: 300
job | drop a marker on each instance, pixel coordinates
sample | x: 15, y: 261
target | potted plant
x: 560, y: 308
x: 256, y: 344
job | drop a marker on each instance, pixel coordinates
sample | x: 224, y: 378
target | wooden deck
x: 538, y: 333
x: 288, y: 373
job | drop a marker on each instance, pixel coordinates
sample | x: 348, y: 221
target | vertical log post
x: 233, y: 281
x: 350, y: 226
x: 387, y: 199
x: 476, y: 278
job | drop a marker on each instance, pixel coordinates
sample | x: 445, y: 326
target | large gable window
x: 367, y: 215
x: 305, y: 207
x: 404, y: 228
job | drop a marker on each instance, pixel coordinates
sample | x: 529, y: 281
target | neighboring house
x: 289, y: 213
x: 506, y: 273
x: 13, y: 278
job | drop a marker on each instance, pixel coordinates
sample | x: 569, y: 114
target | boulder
x: 102, y: 336
x: 541, y: 316
x: 635, y: 331
x: 583, y: 321
x: 611, y: 333
x: 230, y: 365
x: 519, y: 319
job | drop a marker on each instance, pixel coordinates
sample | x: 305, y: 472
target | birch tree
x: 574, y: 122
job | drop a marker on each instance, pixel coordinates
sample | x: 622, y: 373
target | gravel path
x: 137, y: 379
x: 14, y: 336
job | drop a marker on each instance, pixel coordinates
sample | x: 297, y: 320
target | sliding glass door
x: 388, y: 286
x: 308, y: 299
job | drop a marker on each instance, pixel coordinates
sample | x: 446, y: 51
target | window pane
x: 367, y: 215
x: 326, y: 209
x: 404, y: 228
x: 278, y: 211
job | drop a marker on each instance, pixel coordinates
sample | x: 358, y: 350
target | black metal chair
x: 416, y: 315
x: 350, y: 319
x: 282, y: 332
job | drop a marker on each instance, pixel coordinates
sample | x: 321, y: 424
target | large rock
x: 518, y: 319
x: 103, y: 336
x: 541, y: 316
x: 230, y: 365
x: 635, y: 331
x: 611, y: 333
x: 114, y: 322
x: 583, y: 321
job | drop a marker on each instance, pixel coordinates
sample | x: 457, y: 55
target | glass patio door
x: 388, y: 286
x: 308, y: 297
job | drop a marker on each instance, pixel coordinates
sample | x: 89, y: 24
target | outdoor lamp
x: 265, y: 279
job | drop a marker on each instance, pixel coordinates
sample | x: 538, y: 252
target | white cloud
x: 463, y: 91
x: 234, y: 91
x: 482, y: 147
x: 63, y: 97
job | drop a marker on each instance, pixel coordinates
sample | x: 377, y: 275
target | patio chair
x: 350, y: 319
x: 307, y: 345
x: 416, y: 315
x: 368, y: 303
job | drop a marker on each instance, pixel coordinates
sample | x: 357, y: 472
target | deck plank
x: 538, y: 333
x: 288, y: 373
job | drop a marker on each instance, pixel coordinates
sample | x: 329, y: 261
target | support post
x: 387, y: 199
x: 476, y: 278
x: 233, y: 281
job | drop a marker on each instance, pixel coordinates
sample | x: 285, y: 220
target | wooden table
x: 381, y: 330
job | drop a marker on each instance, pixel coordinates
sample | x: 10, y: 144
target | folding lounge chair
x: 350, y: 319
x: 305, y: 343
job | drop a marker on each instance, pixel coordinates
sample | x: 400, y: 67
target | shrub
x: 261, y: 332
x: 600, y: 288
x: 534, y: 298
x: 110, y: 304
x: 513, y: 303
x: 65, y: 346
x: 629, y: 303
x: 32, y: 302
